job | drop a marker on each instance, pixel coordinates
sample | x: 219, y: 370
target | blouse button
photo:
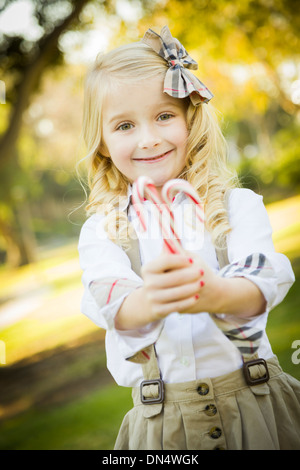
x: 185, y: 361
x: 215, y: 433
x: 203, y: 389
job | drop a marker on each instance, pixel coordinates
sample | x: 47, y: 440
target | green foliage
x: 278, y: 176
x: 248, y: 55
x: 268, y: 30
x: 287, y: 148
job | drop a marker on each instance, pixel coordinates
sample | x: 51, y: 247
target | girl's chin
x: 159, y: 178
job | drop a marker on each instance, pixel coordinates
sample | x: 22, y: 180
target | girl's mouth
x: 153, y: 159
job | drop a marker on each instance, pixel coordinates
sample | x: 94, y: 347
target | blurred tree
x: 24, y: 62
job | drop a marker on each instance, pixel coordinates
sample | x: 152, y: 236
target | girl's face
x: 145, y: 131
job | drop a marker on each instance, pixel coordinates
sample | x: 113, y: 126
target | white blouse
x: 189, y: 346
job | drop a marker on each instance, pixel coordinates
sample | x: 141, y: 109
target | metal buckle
x: 259, y: 380
x: 150, y: 401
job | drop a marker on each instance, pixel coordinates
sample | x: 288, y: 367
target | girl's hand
x: 209, y: 294
x: 172, y: 283
x: 186, y: 284
x: 235, y: 296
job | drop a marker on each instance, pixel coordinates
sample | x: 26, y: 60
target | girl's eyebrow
x: 117, y: 117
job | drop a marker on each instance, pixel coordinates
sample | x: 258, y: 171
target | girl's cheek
x: 125, y: 148
x: 179, y: 133
x: 123, y: 152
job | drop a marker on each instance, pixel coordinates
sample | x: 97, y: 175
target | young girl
x: 185, y: 331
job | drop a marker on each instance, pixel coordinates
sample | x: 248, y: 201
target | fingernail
x: 202, y: 283
x: 196, y: 296
x: 190, y: 260
x: 201, y: 272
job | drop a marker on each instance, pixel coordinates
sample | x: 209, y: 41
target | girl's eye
x: 124, y: 127
x: 164, y: 117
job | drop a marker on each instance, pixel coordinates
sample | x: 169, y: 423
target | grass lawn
x: 88, y: 423
x: 56, y: 392
x: 283, y: 326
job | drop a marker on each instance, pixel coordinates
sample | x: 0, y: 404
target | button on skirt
x: 219, y: 413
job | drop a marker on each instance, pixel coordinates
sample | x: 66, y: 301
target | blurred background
x: 55, y: 391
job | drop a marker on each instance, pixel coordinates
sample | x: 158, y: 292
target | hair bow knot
x: 179, y: 81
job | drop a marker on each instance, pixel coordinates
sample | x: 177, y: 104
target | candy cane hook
x: 172, y: 187
x: 144, y: 188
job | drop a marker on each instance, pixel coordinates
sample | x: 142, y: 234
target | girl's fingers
x: 176, y: 294
x: 173, y: 283
x: 162, y: 310
x: 171, y: 271
x: 173, y: 279
x: 167, y: 262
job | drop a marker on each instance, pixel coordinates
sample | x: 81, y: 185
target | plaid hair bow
x: 179, y: 81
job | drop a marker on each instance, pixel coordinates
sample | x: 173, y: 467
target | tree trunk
x: 15, y: 253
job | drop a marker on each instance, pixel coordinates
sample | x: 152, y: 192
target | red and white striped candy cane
x: 144, y: 188
x: 172, y: 187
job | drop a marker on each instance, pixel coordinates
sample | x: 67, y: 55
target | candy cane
x: 181, y: 186
x: 144, y: 188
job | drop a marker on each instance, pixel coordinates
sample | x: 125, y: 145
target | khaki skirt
x: 218, y: 413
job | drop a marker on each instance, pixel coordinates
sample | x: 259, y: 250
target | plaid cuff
x: 106, y: 291
x: 253, y: 265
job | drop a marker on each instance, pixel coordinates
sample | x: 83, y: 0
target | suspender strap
x: 133, y: 254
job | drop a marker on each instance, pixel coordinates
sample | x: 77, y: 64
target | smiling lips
x: 153, y: 159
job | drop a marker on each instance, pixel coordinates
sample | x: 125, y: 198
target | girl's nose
x: 148, y: 139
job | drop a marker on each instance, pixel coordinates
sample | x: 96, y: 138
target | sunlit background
x: 55, y: 391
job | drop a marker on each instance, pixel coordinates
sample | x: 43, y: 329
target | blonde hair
x: 206, y: 158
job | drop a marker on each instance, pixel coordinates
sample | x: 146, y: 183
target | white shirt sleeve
x: 105, y: 265
x: 251, y: 250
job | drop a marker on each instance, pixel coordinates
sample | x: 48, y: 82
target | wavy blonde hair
x: 206, y: 159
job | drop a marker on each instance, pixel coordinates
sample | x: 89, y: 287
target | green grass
x: 32, y: 335
x: 90, y: 423
x: 283, y: 326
